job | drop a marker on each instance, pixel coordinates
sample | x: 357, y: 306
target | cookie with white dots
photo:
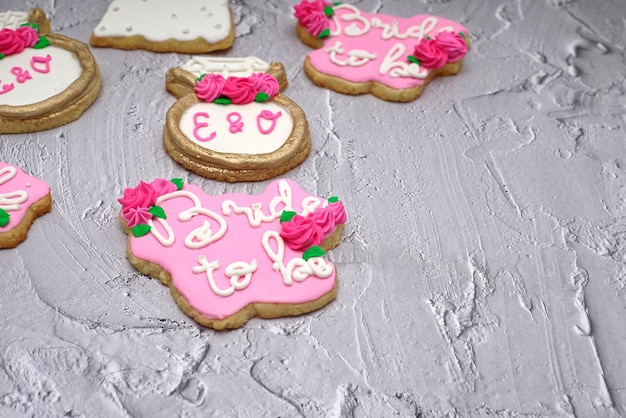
x: 190, y: 26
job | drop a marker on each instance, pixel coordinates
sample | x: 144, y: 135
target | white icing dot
x: 102, y: 28
x: 203, y: 9
x: 186, y: 31
x: 218, y: 26
x: 174, y: 16
x: 27, y: 184
x: 115, y: 9
x: 129, y: 28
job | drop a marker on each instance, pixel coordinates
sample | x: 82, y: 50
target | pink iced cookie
x: 390, y: 57
x: 229, y: 258
x: 22, y: 199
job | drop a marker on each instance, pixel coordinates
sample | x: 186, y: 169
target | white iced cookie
x: 233, y: 128
x: 190, y: 26
x: 46, y: 80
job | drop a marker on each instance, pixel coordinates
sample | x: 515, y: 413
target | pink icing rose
x: 142, y: 196
x: 301, y: 233
x: 324, y: 219
x: 29, y: 35
x: 265, y: 83
x: 210, y: 87
x: 430, y: 54
x: 453, y: 43
x: 239, y: 90
x: 136, y: 216
x: 315, y: 23
x: 11, y: 42
x: 338, y: 211
x: 307, y: 7
x: 162, y: 186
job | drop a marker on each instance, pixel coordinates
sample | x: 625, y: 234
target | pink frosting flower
x: 239, y: 90
x: 430, y: 54
x: 338, y: 211
x: 162, y: 186
x: 265, y: 83
x: 453, y: 43
x: 311, y: 16
x: 301, y: 233
x: 142, y: 196
x: 136, y: 216
x: 29, y: 35
x: 307, y: 7
x: 210, y: 87
x: 11, y: 42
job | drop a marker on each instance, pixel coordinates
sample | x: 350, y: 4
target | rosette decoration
x: 313, y: 16
x: 139, y: 203
x: 214, y: 88
x: 306, y: 233
x: 14, y: 41
x: 447, y: 47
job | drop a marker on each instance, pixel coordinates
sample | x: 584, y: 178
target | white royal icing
x: 226, y: 66
x: 159, y: 20
x: 12, y: 20
x: 65, y: 68
x: 249, y: 140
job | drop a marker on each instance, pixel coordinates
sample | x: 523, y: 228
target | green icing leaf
x: 157, y: 212
x: 1, y: 56
x: 414, y: 60
x: 4, y: 217
x: 287, y: 215
x: 222, y: 101
x: 328, y: 11
x: 462, y: 35
x: 336, y: 3
x: 32, y: 25
x: 201, y: 77
x: 141, y: 230
x: 261, y: 97
x: 178, y: 182
x: 324, y: 33
x: 333, y: 199
x: 314, y: 251
x: 42, y: 43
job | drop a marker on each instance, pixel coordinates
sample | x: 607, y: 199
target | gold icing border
x: 236, y: 167
x: 63, y: 107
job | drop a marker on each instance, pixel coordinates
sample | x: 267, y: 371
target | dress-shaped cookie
x: 46, y: 80
x: 230, y: 258
x: 393, y: 58
x: 235, y: 128
x: 189, y: 26
x: 23, y: 198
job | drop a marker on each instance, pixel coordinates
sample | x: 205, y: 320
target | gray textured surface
x: 481, y: 273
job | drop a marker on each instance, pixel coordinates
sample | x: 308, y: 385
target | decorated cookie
x: 231, y: 258
x: 391, y: 57
x: 22, y: 199
x: 46, y: 80
x: 182, y: 80
x: 190, y: 26
x: 235, y: 128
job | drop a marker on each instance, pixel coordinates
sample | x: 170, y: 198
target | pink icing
x: 303, y: 232
x: 210, y: 87
x: 138, y: 200
x: 267, y: 115
x: 265, y: 83
x: 11, y: 42
x: 454, y: 44
x: 29, y: 35
x: 390, y: 54
x: 14, y: 188
x: 311, y: 16
x: 430, y: 54
x: 241, y: 242
x: 239, y: 90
